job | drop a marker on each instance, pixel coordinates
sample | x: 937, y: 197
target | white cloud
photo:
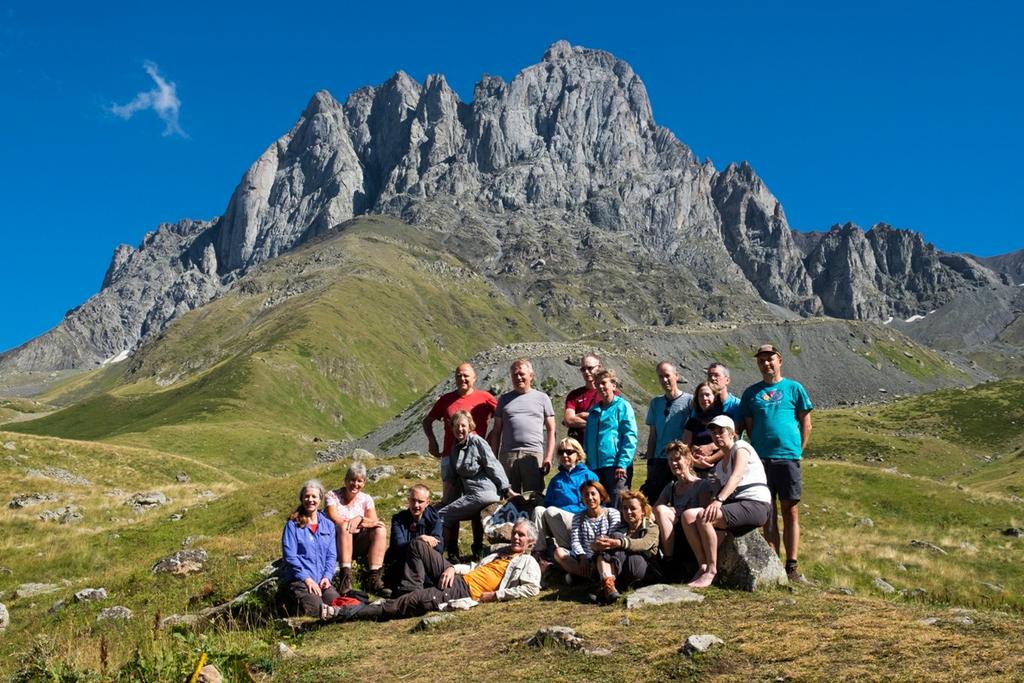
x: 163, y: 99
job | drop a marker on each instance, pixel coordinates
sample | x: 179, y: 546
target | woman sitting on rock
x: 482, y: 478
x: 707, y: 405
x: 309, y: 552
x: 594, y: 521
x: 675, y: 498
x: 742, y: 505
x: 562, y: 499
x: 626, y: 555
x: 361, y: 534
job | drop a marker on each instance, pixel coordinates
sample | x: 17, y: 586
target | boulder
x: 661, y: 594
x: 29, y: 499
x: 118, y: 613
x: 556, y: 635
x: 180, y: 620
x: 433, y: 621
x: 182, y: 562
x: 90, y: 594
x: 284, y: 652
x: 1013, y: 531
x: 69, y: 514
x: 747, y: 562
x: 210, y: 674
x: 378, y: 473
x: 700, y: 643
x: 883, y: 585
x: 5, y: 617
x: 140, y: 502
x: 925, y: 545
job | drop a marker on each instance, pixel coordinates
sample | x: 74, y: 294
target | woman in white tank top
x: 742, y: 505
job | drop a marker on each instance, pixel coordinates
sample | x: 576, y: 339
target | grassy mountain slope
x: 804, y: 634
x: 329, y: 341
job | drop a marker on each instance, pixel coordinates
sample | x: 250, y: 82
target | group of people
x: 703, y: 480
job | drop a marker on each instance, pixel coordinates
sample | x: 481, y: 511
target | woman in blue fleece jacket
x: 611, y: 437
x: 562, y: 499
x: 310, y: 554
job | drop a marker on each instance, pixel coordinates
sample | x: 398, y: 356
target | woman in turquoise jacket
x: 611, y: 437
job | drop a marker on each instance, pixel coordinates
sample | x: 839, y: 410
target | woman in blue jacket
x: 611, y: 437
x: 562, y: 499
x: 310, y: 554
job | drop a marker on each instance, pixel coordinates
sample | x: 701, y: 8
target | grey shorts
x: 743, y: 516
x: 784, y: 478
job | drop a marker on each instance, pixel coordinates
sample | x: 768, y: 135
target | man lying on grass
x: 430, y: 582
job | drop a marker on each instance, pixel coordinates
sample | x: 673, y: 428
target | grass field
x: 842, y: 626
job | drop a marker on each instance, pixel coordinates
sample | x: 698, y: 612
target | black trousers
x: 613, y: 485
x: 298, y: 601
x: 422, y: 570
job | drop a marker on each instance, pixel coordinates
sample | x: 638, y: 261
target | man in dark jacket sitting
x: 418, y: 520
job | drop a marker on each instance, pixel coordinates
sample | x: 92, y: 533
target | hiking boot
x: 794, y: 576
x: 478, y: 552
x: 608, y: 592
x: 374, y: 583
x: 345, y: 580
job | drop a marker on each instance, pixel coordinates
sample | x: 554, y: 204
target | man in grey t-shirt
x: 524, y: 431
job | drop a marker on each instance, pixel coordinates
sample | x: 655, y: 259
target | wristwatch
x: 718, y: 499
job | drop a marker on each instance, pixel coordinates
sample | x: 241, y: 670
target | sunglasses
x: 566, y: 451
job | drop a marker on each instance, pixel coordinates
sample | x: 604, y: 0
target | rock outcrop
x: 559, y: 176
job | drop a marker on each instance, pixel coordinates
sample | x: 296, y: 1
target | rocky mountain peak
x: 556, y: 165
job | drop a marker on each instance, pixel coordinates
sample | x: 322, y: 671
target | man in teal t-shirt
x: 777, y: 416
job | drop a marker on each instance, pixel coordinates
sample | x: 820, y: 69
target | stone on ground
x: 661, y: 594
x: 700, y: 643
x: 30, y: 590
x: 182, y: 562
x: 434, y: 620
x: 118, y: 613
x: 89, y: 594
x: 5, y: 617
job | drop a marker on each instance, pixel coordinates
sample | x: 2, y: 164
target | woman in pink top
x: 360, y: 531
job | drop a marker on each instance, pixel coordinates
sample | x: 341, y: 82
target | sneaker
x: 568, y: 579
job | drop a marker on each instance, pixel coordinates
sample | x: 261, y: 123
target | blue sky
x: 908, y: 113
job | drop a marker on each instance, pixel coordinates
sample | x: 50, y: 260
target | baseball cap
x: 723, y: 421
x: 767, y: 348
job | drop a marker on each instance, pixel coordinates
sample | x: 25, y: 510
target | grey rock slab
x: 925, y: 545
x: 963, y: 620
x: 284, y: 652
x: 210, y: 674
x: 378, y: 473
x: 928, y: 621
x: 90, y: 594
x: 116, y: 613
x: 5, y: 617
x: 556, y: 635
x: 661, y: 594
x: 747, y: 562
x: 180, y: 620
x: 141, y: 502
x: 700, y: 643
x: 10, y: 446
x: 30, y: 590
x: 883, y: 585
x: 432, y: 621
x: 69, y: 514
x: 182, y: 562
x: 58, y: 474
x: 30, y: 499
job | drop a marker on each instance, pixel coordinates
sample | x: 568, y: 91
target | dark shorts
x: 743, y: 516
x: 784, y: 478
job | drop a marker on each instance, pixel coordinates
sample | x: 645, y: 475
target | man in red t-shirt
x: 580, y: 400
x: 481, y: 405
